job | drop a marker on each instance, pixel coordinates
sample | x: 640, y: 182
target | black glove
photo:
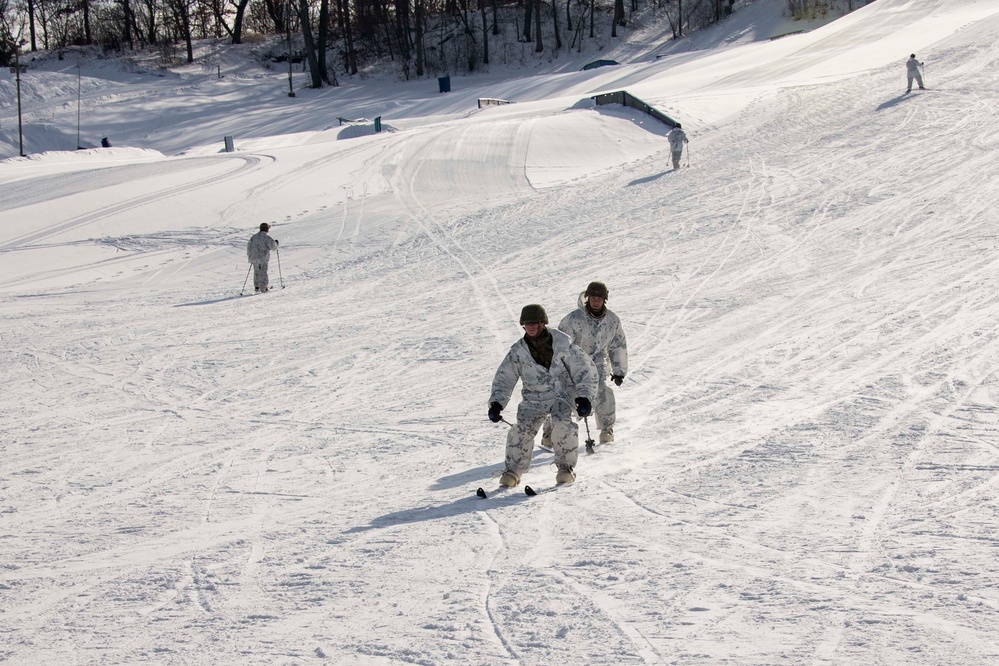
x: 617, y: 379
x: 277, y: 242
x: 494, y: 412
x: 583, y: 407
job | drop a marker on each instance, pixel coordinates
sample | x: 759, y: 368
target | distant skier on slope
x: 558, y: 378
x: 912, y: 72
x: 258, y: 253
x: 598, y: 332
x: 677, y: 138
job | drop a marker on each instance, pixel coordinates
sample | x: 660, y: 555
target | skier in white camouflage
x: 557, y: 380
x: 912, y: 72
x: 598, y: 332
x: 258, y: 253
x: 677, y: 137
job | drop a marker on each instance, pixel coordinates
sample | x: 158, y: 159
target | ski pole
x: 280, y: 276
x: 243, y: 288
x: 589, y: 440
x: 688, y: 155
x: 590, y: 444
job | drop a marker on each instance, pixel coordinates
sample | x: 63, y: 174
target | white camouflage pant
x: 918, y: 77
x: 604, y: 409
x: 260, y: 281
x: 530, y: 416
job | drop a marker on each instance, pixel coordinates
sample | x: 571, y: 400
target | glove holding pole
x: 584, y: 409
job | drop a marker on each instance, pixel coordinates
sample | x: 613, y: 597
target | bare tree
x: 420, y: 55
x: 180, y: 11
x: 558, y: 37
x: 485, y: 32
x: 237, y: 25
x: 310, y: 43
x: 150, y: 25
x: 538, y: 46
x: 85, y: 6
x: 126, y: 22
x: 31, y: 24
x: 346, y: 26
x: 618, y: 16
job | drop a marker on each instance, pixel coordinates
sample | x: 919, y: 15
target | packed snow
x: 807, y: 456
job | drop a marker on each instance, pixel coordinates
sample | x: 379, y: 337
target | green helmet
x: 598, y: 289
x: 533, y: 312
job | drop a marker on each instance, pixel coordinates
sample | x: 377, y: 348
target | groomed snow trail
x: 807, y: 458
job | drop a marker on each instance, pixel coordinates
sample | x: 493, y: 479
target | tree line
x: 813, y: 9
x: 419, y: 38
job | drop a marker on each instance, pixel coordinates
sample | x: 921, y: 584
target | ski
x: 481, y: 493
x: 531, y: 492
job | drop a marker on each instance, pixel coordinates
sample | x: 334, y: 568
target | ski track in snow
x: 807, y: 456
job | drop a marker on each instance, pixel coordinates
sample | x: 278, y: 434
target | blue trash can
x: 445, y: 83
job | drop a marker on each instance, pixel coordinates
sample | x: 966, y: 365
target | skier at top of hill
x: 677, y: 138
x: 258, y: 253
x: 558, y: 378
x: 912, y: 72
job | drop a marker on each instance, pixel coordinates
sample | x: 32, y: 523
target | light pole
x: 291, y: 89
x: 79, y: 76
x: 17, y: 69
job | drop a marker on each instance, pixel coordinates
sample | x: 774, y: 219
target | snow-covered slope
x: 806, y: 462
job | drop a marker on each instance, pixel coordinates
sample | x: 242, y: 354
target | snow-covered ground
x: 808, y: 441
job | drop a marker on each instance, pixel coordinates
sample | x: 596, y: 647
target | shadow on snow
x: 460, y: 505
x: 212, y: 302
x: 649, y: 179
x: 892, y: 102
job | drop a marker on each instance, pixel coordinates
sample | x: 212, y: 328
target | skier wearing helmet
x: 557, y: 380
x: 258, y: 253
x: 598, y: 332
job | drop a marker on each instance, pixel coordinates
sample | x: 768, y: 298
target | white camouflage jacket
x: 571, y: 375
x: 259, y: 247
x: 603, y: 339
x: 677, y: 137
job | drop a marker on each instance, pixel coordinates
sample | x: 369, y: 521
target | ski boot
x: 509, y: 479
x: 565, y: 475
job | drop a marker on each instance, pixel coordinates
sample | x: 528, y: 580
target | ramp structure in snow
x: 624, y: 98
